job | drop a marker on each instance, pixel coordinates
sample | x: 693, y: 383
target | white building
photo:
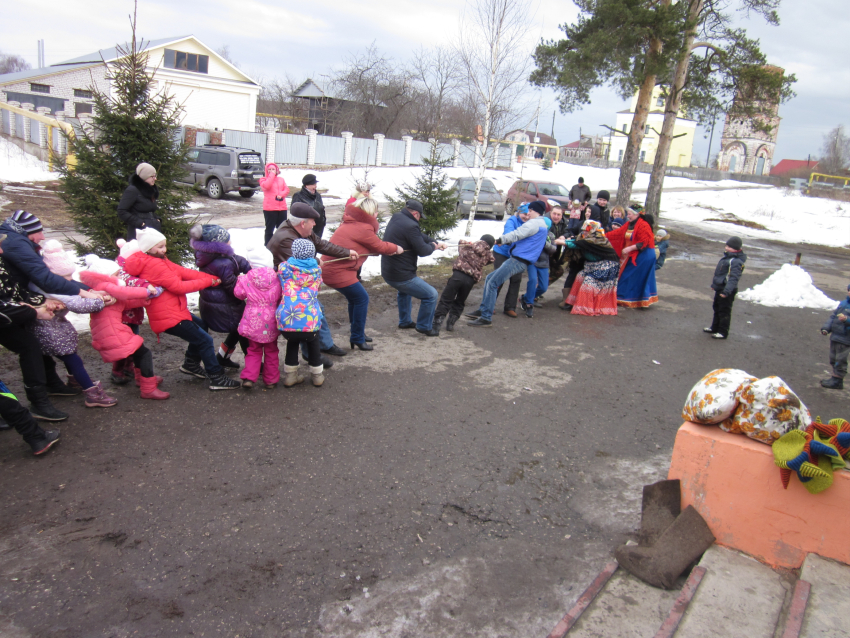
x: 213, y: 92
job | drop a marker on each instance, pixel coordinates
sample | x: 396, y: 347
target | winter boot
x: 662, y: 503
x: 138, y: 375
x: 223, y: 358
x: 677, y: 547
x: 833, y: 383
x: 450, y: 322
x: 150, y: 391
x: 60, y: 389
x: 118, y: 377
x: 40, y: 406
x: 222, y: 382
x: 193, y: 368
x: 45, y: 442
x: 437, y: 323
x: 564, y: 305
x: 318, y: 376
x: 97, y: 398
x: 291, y: 376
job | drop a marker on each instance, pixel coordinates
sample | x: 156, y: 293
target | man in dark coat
x: 599, y: 211
x: 399, y: 271
x: 310, y: 196
x: 580, y: 191
x: 137, y: 207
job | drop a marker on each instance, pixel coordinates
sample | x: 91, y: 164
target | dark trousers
x: 575, y: 267
x: 513, y: 286
x: 454, y: 295
x: 722, y: 313
x: 274, y: 218
x: 201, y: 346
x: 143, y: 360
x: 838, y: 353
x: 310, y: 340
x: 233, y: 338
x: 26, y: 346
x: 18, y: 416
x: 75, y: 367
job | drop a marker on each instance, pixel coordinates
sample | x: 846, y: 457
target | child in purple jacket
x: 260, y: 288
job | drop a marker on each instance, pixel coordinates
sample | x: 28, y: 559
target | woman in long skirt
x: 635, y: 244
x: 594, y: 291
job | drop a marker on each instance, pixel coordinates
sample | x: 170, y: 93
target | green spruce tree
x: 130, y: 126
x: 431, y: 188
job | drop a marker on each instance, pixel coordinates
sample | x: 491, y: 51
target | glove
x: 824, y: 332
x: 498, y: 241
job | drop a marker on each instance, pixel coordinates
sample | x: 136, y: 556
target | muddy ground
x: 471, y: 484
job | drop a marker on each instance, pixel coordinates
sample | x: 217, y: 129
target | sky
x: 269, y: 38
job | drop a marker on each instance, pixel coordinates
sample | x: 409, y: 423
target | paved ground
x: 469, y: 485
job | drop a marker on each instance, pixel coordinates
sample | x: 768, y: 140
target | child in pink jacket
x: 275, y: 191
x: 125, y: 370
x: 110, y: 336
x: 260, y: 288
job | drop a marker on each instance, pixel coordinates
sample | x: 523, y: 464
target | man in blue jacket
x: 503, y: 253
x: 399, y: 271
x: 528, y: 241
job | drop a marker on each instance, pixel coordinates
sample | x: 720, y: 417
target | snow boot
x: 318, y: 376
x: 97, y: 398
x: 138, y: 376
x: 222, y: 382
x: 193, y: 368
x: 150, y: 391
x: 437, y: 323
x: 564, y: 305
x: 223, y: 358
x: 450, y: 322
x: 662, y: 503
x: 675, y: 549
x: 118, y: 377
x: 833, y: 383
x: 291, y: 376
x: 40, y: 406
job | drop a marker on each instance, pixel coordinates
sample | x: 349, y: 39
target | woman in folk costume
x: 594, y: 291
x: 634, y: 242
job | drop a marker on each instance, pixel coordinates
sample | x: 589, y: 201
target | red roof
x: 787, y: 165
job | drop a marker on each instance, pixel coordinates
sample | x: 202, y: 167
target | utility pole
x: 41, y: 54
x: 710, y: 139
x: 537, y: 123
x: 553, y: 125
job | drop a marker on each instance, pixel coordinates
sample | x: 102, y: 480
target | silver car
x: 489, y: 199
x: 219, y: 169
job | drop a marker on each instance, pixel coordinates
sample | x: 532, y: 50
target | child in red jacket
x: 169, y: 313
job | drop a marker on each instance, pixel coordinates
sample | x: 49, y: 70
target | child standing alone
x: 260, y: 288
x: 838, y: 327
x: 725, y: 285
x: 467, y: 271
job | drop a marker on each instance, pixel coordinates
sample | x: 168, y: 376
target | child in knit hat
x: 58, y: 337
x: 260, y: 288
x: 618, y: 217
x: 725, y: 285
x: 169, y: 312
x: 662, y: 242
x: 467, y: 271
x: 299, y: 313
x: 838, y: 327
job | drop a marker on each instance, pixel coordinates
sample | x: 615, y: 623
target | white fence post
x: 346, y: 150
x: 27, y: 121
x: 477, y: 162
x: 495, y: 154
x: 379, y: 151
x: 408, y: 145
x: 42, y: 127
x: 455, y: 152
x: 271, y: 141
x: 513, y: 154
x: 311, y: 145
x: 13, y: 120
x: 61, y: 149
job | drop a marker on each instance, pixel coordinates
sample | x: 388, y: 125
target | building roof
x: 787, y: 165
x: 309, y: 88
x: 544, y: 139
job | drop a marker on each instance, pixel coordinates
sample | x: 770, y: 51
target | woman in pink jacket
x: 260, y: 288
x: 275, y: 191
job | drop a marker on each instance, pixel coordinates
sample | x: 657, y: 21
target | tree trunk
x: 671, y: 111
x: 632, y: 154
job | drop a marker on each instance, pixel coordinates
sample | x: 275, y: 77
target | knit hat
x: 581, y: 180
x: 57, y: 260
x: 522, y: 209
x: 548, y: 223
x: 148, y: 238
x: 127, y: 248
x: 209, y: 233
x: 604, y: 195
x: 302, y: 211
x: 309, y: 179
x: 101, y: 266
x: 259, y: 257
x: 537, y: 206
x: 661, y: 233
x: 415, y: 204
x: 488, y: 239
x: 576, y: 203
x: 735, y: 243
x: 29, y: 222
x: 145, y: 171
x: 303, y: 249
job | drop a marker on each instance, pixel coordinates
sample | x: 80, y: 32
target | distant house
x: 794, y: 168
x: 213, y: 92
x: 528, y: 139
x: 586, y: 147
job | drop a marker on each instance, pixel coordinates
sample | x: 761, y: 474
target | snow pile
x: 790, y: 286
x: 17, y: 166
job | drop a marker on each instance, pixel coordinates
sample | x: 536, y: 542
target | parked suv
x: 525, y: 191
x: 220, y: 169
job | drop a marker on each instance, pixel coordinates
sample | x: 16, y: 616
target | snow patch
x: 790, y: 287
x: 18, y: 166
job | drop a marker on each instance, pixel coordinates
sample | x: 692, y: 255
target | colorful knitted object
x: 791, y: 453
x: 838, y: 433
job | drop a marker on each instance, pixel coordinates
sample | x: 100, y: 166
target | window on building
x: 659, y: 101
x: 620, y: 156
x: 646, y: 129
x: 186, y: 61
x: 83, y: 93
x: 642, y: 156
x: 39, y: 88
x: 80, y: 108
x: 625, y: 126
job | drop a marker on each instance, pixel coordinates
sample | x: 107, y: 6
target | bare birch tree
x: 493, y: 50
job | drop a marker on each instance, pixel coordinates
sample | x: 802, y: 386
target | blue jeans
x: 494, y: 280
x: 358, y: 306
x: 420, y: 289
x: 201, y: 347
x: 538, y: 283
x: 326, y: 339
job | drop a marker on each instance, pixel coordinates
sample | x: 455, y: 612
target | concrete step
x: 738, y: 598
x: 827, y: 614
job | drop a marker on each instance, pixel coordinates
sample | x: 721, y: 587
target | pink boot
x: 139, y: 378
x: 97, y: 398
x: 150, y: 391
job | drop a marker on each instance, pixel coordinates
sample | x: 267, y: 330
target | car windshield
x: 250, y: 160
x: 486, y: 186
x: 553, y: 189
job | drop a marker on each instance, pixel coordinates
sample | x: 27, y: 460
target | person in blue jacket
x: 502, y: 254
x: 838, y: 327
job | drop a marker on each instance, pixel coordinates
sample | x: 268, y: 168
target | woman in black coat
x: 137, y: 207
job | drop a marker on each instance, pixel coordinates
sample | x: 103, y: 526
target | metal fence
x: 363, y: 151
x: 466, y: 156
x: 201, y: 138
x: 290, y: 149
x: 393, y: 153
x: 246, y: 139
x: 329, y: 150
x: 418, y: 150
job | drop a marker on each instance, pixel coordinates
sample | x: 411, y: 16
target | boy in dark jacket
x: 838, y: 327
x: 725, y: 285
x: 466, y: 272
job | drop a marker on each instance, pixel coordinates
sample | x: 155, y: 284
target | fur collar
x: 356, y: 214
x: 146, y: 190
x: 212, y: 247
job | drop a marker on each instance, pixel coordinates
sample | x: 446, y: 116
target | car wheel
x: 214, y: 189
x: 247, y: 194
x: 509, y: 207
x: 500, y: 217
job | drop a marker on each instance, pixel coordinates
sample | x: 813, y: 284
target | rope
x: 330, y: 261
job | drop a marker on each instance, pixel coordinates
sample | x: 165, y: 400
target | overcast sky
x: 272, y: 38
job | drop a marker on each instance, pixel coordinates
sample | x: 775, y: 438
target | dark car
x: 489, y: 199
x: 220, y: 169
x: 524, y: 191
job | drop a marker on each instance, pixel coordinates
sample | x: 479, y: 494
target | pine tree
x: 130, y: 126
x: 431, y: 188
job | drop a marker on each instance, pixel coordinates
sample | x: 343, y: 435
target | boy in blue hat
x: 838, y: 327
